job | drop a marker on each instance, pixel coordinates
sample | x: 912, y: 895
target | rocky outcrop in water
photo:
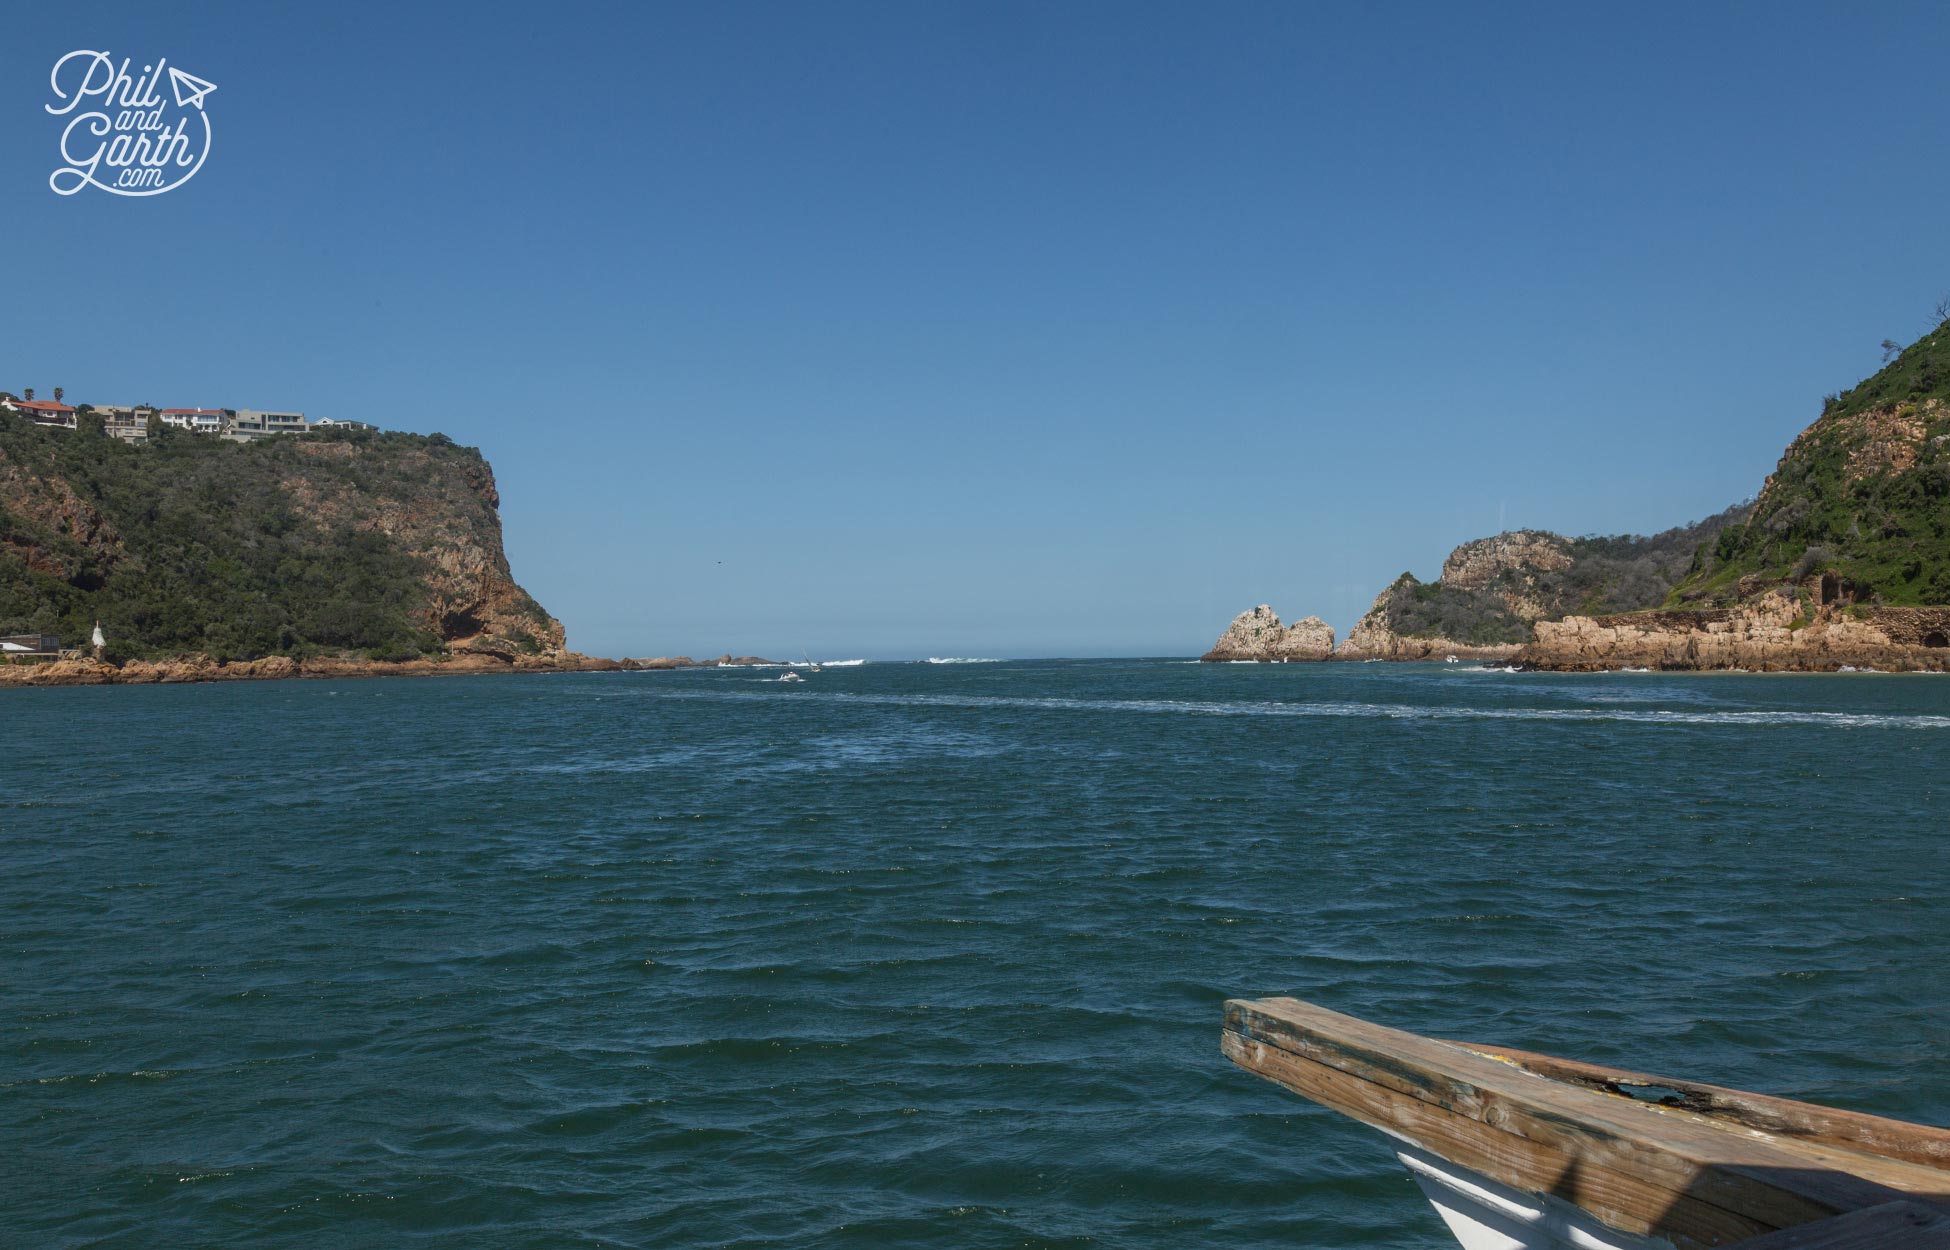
x: 1492, y: 590
x: 1258, y: 635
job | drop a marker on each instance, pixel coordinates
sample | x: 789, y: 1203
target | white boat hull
x: 1484, y: 1214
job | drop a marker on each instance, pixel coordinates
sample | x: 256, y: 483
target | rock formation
x: 1374, y: 638
x: 1861, y: 497
x: 1839, y: 565
x: 1509, y: 566
x: 473, y: 603
x: 1838, y: 562
x: 1781, y: 631
x: 1258, y: 635
x: 370, y: 546
x: 1492, y: 590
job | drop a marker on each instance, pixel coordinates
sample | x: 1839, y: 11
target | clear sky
x: 914, y: 329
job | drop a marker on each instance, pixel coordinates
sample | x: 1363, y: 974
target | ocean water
x: 911, y: 954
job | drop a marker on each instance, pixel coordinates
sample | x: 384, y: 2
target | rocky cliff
x: 1376, y: 635
x: 1258, y: 635
x: 1846, y: 549
x: 1837, y: 563
x: 1779, y: 631
x: 1861, y: 498
x: 1493, y: 590
x: 341, y: 544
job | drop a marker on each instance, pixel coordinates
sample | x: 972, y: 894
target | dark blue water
x: 910, y: 955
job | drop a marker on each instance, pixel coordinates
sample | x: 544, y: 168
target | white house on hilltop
x: 195, y: 420
x: 131, y: 422
x: 251, y: 423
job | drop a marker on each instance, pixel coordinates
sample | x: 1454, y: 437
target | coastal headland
x: 340, y: 551
x: 1840, y: 562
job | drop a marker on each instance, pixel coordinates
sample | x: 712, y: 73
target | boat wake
x: 1380, y: 711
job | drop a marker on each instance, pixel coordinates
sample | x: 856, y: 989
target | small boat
x: 1520, y: 1151
x: 789, y: 675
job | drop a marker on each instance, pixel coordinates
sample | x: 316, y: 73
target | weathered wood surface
x: 1892, y: 1139
x: 1663, y: 1171
x: 1893, y: 1226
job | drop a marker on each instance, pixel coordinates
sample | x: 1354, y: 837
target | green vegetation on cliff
x: 1418, y: 609
x: 1492, y: 590
x: 1863, y: 494
x: 340, y: 541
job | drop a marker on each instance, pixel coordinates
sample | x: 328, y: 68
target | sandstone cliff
x: 1258, y: 635
x: 1846, y: 549
x: 375, y: 546
x: 1480, y: 608
x: 1777, y: 632
x: 1493, y: 590
x: 1837, y: 563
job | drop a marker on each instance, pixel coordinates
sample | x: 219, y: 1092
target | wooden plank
x: 1622, y: 1200
x: 1739, y: 1172
x: 1894, y: 1139
x: 1817, y: 1153
x: 1620, y: 1132
x: 1892, y: 1226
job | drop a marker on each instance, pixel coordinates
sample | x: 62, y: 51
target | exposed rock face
x: 386, y: 545
x: 1523, y: 552
x: 1258, y: 635
x: 1493, y: 590
x: 1777, y: 632
x: 51, y: 505
x: 1374, y: 638
x: 473, y: 603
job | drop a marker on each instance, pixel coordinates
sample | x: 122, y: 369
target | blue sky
x: 908, y: 329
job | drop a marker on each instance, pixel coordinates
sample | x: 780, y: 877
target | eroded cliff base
x: 1778, y: 633
x: 91, y: 672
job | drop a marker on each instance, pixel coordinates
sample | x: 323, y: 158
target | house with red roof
x: 43, y: 412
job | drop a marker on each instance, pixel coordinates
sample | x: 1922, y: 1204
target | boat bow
x: 1525, y: 1152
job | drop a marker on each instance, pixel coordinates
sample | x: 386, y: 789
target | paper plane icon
x: 189, y: 89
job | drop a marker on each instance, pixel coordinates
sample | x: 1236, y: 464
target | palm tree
x: 58, y: 393
x: 29, y: 393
